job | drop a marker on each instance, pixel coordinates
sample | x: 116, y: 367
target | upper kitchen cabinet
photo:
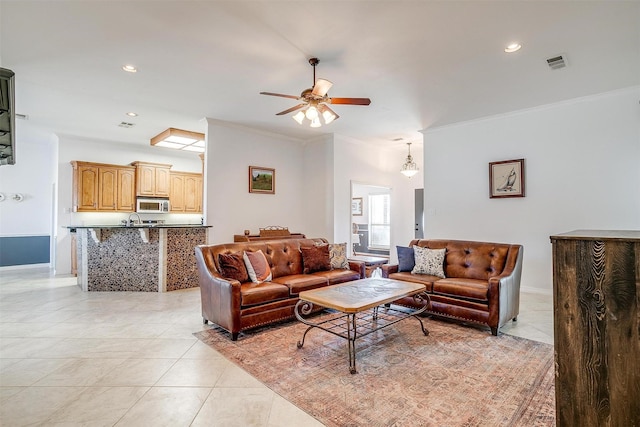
x: 186, y: 192
x: 85, y: 187
x: 152, y: 179
x: 102, y: 187
x: 126, y: 189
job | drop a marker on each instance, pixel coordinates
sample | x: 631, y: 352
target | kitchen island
x: 142, y: 258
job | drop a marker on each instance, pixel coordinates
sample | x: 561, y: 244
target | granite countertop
x: 139, y: 226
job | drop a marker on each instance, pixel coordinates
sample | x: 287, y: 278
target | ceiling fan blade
x: 321, y: 87
x: 279, y: 94
x: 297, y: 107
x: 350, y: 101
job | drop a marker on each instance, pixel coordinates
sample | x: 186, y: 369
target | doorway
x: 370, y: 219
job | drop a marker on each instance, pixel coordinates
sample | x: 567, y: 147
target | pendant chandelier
x: 409, y: 168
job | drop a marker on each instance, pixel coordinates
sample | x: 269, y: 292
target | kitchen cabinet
x: 176, y: 193
x: 152, y: 179
x: 107, y: 188
x: 102, y: 187
x: 126, y: 189
x: 186, y: 192
x: 85, y: 187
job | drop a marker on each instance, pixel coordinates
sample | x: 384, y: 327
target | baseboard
x: 532, y: 290
x: 25, y: 267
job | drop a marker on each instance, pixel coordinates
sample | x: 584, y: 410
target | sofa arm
x: 504, y: 290
x: 388, y: 269
x: 220, y: 297
x: 359, y: 267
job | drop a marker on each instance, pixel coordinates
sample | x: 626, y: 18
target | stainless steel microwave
x: 152, y: 205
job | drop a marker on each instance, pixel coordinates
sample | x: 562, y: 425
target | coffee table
x: 359, y: 308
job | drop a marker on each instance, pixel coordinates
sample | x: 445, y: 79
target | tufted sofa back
x: 471, y: 260
x: 284, y: 256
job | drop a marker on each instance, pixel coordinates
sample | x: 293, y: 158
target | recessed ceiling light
x: 513, y: 47
x: 130, y: 68
x: 132, y: 114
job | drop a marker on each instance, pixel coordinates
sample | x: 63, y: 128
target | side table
x: 370, y: 262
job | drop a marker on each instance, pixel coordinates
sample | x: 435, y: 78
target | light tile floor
x: 130, y: 359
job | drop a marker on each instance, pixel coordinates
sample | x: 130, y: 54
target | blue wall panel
x: 24, y: 250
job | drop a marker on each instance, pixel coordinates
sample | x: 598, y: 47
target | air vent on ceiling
x: 557, y: 62
x: 126, y: 125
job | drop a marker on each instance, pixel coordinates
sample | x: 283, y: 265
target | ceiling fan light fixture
x: 311, y: 113
x: 313, y: 101
x: 180, y: 140
x: 409, y: 168
x: 299, y: 117
x: 328, y: 116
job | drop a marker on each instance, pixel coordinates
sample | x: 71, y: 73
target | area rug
x: 456, y: 376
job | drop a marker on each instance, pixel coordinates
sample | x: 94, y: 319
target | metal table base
x: 362, y: 323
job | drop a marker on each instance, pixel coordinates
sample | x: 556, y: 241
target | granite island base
x: 154, y: 258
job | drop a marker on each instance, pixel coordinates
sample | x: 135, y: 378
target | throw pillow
x: 232, y: 267
x: 315, y: 258
x: 257, y: 266
x: 406, y: 259
x: 429, y: 261
x: 338, y: 256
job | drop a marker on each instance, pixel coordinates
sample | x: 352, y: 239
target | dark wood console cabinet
x: 596, y: 289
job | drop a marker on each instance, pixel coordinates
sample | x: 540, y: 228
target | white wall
x: 582, y: 171
x: 33, y: 176
x: 362, y: 163
x: 110, y: 152
x: 317, y: 198
x: 230, y: 207
x: 313, y: 183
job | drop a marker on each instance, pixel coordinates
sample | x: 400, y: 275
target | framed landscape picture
x: 506, y: 179
x: 262, y: 180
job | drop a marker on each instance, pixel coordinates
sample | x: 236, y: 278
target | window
x: 379, y: 221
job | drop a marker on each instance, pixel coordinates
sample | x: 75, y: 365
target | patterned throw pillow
x: 315, y: 258
x: 429, y: 261
x: 406, y: 259
x: 232, y: 267
x: 338, y: 256
x: 257, y: 266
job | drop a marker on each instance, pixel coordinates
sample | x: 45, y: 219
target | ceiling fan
x: 315, y: 100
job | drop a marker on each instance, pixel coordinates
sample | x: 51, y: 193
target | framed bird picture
x: 506, y: 179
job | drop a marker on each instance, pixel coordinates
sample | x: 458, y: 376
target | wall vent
x: 126, y: 125
x: 557, y: 62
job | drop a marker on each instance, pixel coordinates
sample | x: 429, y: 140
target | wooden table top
x: 369, y: 260
x: 360, y: 295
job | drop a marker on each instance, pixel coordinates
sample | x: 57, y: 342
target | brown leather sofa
x: 482, y: 282
x: 236, y: 306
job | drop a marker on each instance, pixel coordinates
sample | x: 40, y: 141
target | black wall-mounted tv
x: 7, y: 118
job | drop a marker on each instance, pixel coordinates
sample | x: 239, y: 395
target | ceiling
x: 424, y: 64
